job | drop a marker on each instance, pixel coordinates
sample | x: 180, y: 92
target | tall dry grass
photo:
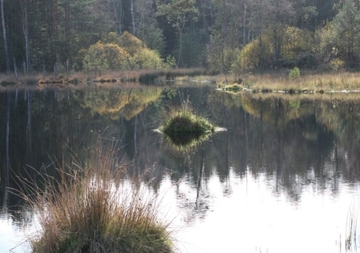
x: 307, y: 81
x: 96, y: 207
x: 69, y: 78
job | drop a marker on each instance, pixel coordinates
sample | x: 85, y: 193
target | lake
x: 284, y: 177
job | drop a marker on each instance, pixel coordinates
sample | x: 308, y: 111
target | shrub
x: 337, y: 64
x: 294, y: 73
x: 146, y: 59
x: 256, y: 54
x: 105, y: 56
x: 120, y: 52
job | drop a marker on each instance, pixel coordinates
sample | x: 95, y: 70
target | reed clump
x: 184, y: 129
x: 184, y: 120
x: 97, y: 208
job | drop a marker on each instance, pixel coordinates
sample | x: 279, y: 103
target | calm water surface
x: 283, y: 178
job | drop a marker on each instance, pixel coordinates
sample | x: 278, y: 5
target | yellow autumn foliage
x: 252, y: 53
x: 116, y: 103
x: 296, y: 40
x: 121, y: 52
x: 293, y: 41
x: 105, y: 56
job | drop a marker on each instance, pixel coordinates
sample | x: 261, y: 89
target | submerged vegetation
x: 97, y: 208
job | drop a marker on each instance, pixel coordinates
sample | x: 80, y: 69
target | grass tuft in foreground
x: 95, y: 208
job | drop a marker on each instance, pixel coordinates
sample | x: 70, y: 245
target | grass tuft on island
x: 184, y: 129
x: 184, y: 121
x: 97, y: 208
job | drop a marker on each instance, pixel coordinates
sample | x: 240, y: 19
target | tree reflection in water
x: 294, y: 142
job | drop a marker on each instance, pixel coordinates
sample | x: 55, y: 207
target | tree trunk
x: 28, y: 126
x: 132, y: 17
x: 15, y: 68
x: 118, y: 13
x: 203, y: 15
x: 7, y: 138
x: 261, y: 56
x: 7, y: 60
x: 180, y: 47
x: 244, y: 23
x: 25, y: 27
x: 276, y: 42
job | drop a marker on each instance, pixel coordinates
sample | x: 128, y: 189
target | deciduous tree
x: 178, y: 13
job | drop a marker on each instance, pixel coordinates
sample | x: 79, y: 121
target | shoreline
x: 310, y: 82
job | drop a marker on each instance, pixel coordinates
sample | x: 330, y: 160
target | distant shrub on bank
x: 120, y: 52
x: 294, y: 73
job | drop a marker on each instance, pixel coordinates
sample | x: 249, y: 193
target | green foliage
x: 219, y: 59
x: 228, y: 61
x: 339, y: 39
x: 178, y: 12
x: 294, y: 73
x: 170, y: 62
x: 154, y: 39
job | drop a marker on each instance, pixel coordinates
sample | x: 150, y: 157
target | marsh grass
x: 143, y: 76
x: 309, y: 81
x: 183, y: 129
x: 351, y: 230
x: 184, y: 121
x: 96, y: 207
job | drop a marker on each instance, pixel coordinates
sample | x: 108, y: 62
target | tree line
x: 222, y: 35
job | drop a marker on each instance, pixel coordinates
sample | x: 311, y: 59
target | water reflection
x: 283, y: 153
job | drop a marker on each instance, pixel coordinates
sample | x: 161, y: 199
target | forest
x: 223, y: 36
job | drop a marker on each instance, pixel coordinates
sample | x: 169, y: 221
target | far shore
x: 273, y: 81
